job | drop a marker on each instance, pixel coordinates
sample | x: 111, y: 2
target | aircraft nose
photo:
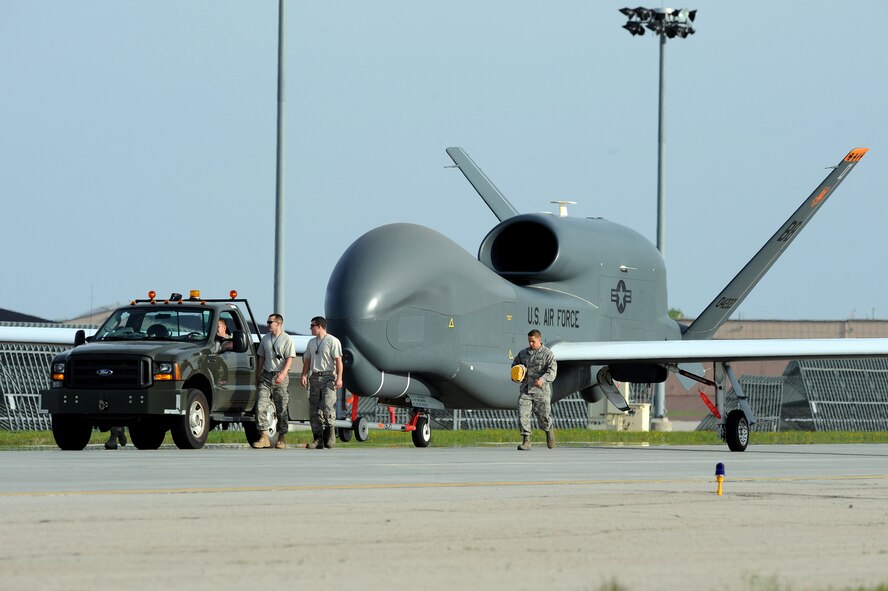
x: 405, y: 265
x: 376, y: 271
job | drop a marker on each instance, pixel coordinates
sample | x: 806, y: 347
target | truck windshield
x: 160, y: 324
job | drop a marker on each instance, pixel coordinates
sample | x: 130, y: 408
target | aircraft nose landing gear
x: 421, y: 432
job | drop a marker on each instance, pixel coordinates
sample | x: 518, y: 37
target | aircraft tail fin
x: 495, y: 200
x: 726, y: 302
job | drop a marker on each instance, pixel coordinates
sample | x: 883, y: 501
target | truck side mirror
x: 241, y: 344
x: 79, y: 337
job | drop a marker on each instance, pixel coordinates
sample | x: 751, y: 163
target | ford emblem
x: 104, y: 372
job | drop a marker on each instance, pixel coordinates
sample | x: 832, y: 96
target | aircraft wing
x: 53, y: 335
x: 39, y: 335
x: 598, y: 353
x: 300, y: 342
x: 730, y: 298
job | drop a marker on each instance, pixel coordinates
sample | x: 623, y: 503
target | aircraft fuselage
x: 423, y: 323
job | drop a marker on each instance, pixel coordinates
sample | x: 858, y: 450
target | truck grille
x: 108, y: 373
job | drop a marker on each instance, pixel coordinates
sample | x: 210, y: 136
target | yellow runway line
x: 422, y: 485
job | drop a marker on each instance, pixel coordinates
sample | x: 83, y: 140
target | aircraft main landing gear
x: 737, y: 430
x: 733, y: 427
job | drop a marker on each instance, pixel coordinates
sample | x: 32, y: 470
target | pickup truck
x: 156, y: 366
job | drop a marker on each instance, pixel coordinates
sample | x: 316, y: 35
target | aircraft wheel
x: 345, y: 435
x: 422, y: 435
x: 737, y: 430
x: 70, y: 432
x: 190, y: 430
x: 361, y: 429
x: 147, y: 434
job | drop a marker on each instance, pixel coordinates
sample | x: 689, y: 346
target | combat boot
x: 112, y: 441
x: 525, y: 443
x: 121, y: 435
x: 329, y: 437
x: 281, y: 443
x: 550, y: 438
x: 262, y: 442
x: 316, y: 444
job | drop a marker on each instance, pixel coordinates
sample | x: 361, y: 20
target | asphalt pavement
x: 576, y: 517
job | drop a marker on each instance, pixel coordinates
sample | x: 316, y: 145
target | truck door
x: 234, y: 372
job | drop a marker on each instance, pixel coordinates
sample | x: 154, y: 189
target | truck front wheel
x: 190, y: 430
x: 70, y: 432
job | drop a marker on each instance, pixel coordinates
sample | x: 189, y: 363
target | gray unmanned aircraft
x: 424, y: 325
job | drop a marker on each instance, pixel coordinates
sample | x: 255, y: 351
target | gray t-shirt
x: 276, y: 350
x: 321, y: 354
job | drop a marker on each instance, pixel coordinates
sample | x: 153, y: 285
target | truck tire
x: 190, y: 430
x: 251, y: 430
x: 70, y: 432
x: 147, y: 434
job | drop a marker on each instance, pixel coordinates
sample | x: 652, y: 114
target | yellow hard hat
x: 518, y: 372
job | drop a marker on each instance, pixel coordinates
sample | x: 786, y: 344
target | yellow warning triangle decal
x: 451, y: 323
x: 510, y: 354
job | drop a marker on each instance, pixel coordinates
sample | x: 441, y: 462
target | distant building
x: 10, y: 316
x: 94, y: 318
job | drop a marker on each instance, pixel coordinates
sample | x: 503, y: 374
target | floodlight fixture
x: 666, y: 22
x: 643, y: 14
x: 634, y: 28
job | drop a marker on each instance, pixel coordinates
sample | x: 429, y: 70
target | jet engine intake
x: 541, y: 248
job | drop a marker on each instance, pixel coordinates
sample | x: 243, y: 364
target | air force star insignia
x: 621, y: 296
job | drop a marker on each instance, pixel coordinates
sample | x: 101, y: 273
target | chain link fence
x: 824, y: 395
x: 24, y: 372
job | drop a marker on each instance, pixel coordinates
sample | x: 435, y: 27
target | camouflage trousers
x: 537, y: 403
x: 272, y: 396
x: 321, y: 402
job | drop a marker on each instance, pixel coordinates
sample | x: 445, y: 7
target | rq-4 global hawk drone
x: 425, y: 326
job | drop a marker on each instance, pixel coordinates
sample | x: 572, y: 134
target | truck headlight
x: 167, y: 372
x: 58, y: 372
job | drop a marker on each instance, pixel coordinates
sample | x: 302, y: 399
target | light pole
x: 667, y: 23
x: 279, y: 215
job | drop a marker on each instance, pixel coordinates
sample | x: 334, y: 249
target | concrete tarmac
x: 799, y: 517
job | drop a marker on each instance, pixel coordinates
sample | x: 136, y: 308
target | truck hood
x: 156, y: 349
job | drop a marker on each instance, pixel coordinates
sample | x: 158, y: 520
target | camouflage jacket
x: 540, y: 364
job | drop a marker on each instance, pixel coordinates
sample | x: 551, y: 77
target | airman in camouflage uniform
x: 323, y: 361
x: 276, y: 354
x: 536, y: 392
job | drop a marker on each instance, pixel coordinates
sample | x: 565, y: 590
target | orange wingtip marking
x: 820, y: 197
x: 856, y: 154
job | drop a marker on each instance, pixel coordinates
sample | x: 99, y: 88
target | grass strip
x: 485, y: 437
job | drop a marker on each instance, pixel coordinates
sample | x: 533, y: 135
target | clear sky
x: 137, y: 141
